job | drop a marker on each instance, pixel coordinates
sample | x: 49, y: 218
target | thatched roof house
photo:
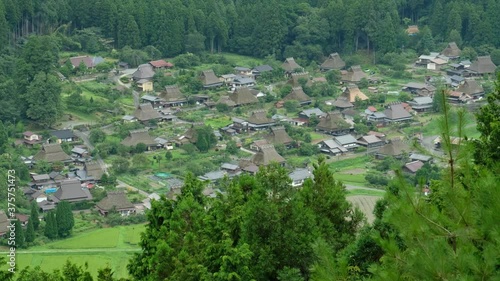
x: 117, y: 201
x: 334, y: 124
x: 139, y: 136
x: 209, y: 79
x: 172, y: 95
x: 146, y: 112
x: 52, y: 153
x: 334, y: 61
x: 353, y: 93
x: 243, y: 96
x: 296, y: 77
x: 278, y: 135
x: 342, y: 103
x: 93, y: 170
x: 452, y: 51
x: 395, y: 148
x: 144, y: 71
x: 289, y: 65
x: 483, y: 65
x: 298, y: 94
x: 353, y: 74
x: 258, y: 120
x: 267, y: 155
x: 472, y: 88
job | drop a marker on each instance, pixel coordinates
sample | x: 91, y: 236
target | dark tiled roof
x: 63, y: 134
x: 71, y: 190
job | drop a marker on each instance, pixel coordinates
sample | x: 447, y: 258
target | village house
x: 456, y: 80
x: 457, y: 97
x: 209, y: 79
x: 153, y: 100
x: 342, y: 103
x: 436, y: 64
x: 396, y: 113
x: 140, y: 136
x: 213, y: 176
x: 299, y: 176
x: 370, y: 141
x: 451, y: 51
x: 257, y: 144
x: 80, y: 154
x: 161, y: 64
x: 455, y: 69
x: 52, y: 153
x: 227, y: 78
x: 421, y: 89
x: 307, y: 113
x: 267, y: 155
x: 243, y: 71
x: 413, y: 167
x: 331, y: 147
x: 353, y: 75
x: 41, y: 181
x: 146, y: 113
x: 172, y: 96
x: 30, y: 138
x: 420, y: 157
x: 298, y: 94
x: 481, y: 66
x: 347, y: 141
x: 290, y: 66
x: 333, y: 124
x: 349, y: 114
x: 278, y: 135
x: 395, y: 148
x: 424, y: 60
x: 242, y: 82
x: 63, y: 136
x: 143, y: 77
x: 92, y: 172
x: 412, y: 30
x: 421, y: 104
x: 334, y: 61
x: 297, y: 77
x: 89, y: 62
x: 115, y: 201
x: 258, y: 120
x: 71, y: 190
x: 353, y: 94
x: 242, y: 96
x: 471, y: 88
x: 260, y: 69
x: 231, y: 169
x: 23, y: 219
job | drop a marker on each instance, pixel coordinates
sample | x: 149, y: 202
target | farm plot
x: 366, y: 203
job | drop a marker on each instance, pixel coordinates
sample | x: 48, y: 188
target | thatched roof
x: 451, y: 50
x: 94, y: 170
x: 208, y: 78
x: 289, y: 65
x: 412, y: 29
x: 172, y: 94
x: 483, y: 65
x: 394, y: 148
x: 470, y: 87
x: 146, y: 112
x: 117, y: 200
x: 342, y: 102
x: 266, y: 156
x: 294, y: 81
x: 144, y: 71
x: 334, y: 61
x: 396, y: 111
x: 259, y: 117
x: 139, y: 136
x: 52, y: 153
x: 353, y: 74
x: 352, y: 93
x: 278, y: 135
x: 243, y: 96
x: 333, y: 121
x: 298, y: 94
x: 226, y: 100
x: 4, y: 222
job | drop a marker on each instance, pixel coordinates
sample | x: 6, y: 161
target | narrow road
x: 85, y: 138
x: 122, y: 184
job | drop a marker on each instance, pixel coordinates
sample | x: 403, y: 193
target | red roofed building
x: 372, y: 109
x: 161, y: 64
x: 414, y: 166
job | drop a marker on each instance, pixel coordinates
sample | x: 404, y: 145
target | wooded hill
x: 305, y: 29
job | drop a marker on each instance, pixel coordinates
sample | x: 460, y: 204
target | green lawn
x: 117, y: 246
x: 357, y: 179
x: 219, y: 122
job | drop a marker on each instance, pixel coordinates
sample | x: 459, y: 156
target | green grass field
x: 97, y: 248
x: 367, y: 192
x: 218, y: 123
x: 357, y: 179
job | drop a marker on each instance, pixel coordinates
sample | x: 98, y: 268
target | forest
x: 304, y: 29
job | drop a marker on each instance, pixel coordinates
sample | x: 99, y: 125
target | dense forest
x: 305, y: 29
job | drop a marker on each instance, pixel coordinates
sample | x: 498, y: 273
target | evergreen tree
x: 44, y: 99
x: 4, y: 139
x: 64, y: 219
x: 34, y: 216
x: 20, y: 235
x: 50, y: 225
x: 30, y: 231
